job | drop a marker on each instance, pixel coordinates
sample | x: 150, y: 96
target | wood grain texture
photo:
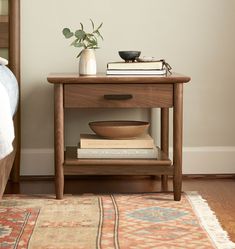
x: 4, y: 31
x: 14, y: 65
x: 5, y: 169
x: 165, y: 140
x: 59, y: 140
x: 165, y: 130
x: 135, y: 91
x: 177, y: 140
x: 65, y: 78
x: 117, y: 170
x: 92, y: 95
x: 4, y: 19
x: 14, y: 37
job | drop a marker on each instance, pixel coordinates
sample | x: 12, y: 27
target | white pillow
x: 3, y: 61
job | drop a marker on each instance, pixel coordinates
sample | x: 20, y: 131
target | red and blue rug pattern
x: 16, y: 226
x: 119, y: 221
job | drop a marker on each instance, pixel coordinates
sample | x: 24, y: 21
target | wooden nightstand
x: 101, y: 91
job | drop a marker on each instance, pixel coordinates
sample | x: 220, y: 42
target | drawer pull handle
x: 118, y: 96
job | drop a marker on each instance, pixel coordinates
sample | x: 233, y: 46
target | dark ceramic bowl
x: 129, y: 56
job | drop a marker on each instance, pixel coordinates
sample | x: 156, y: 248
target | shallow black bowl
x: 129, y: 55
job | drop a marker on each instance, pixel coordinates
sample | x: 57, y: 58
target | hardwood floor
x: 219, y: 192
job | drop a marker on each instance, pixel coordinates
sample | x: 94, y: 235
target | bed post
x: 14, y: 64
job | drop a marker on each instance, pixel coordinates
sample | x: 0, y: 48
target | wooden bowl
x: 119, y: 129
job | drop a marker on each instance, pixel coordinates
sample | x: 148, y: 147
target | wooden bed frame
x: 10, y: 38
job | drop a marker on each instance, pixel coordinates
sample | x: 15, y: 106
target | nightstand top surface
x: 101, y: 78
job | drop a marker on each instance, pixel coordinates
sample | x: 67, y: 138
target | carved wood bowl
x: 119, y: 129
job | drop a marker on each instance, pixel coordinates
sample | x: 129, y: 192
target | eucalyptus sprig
x: 84, y: 39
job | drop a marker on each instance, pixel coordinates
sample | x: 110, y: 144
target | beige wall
x: 3, y: 7
x: 196, y: 37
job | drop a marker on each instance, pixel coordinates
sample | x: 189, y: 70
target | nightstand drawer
x: 120, y: 96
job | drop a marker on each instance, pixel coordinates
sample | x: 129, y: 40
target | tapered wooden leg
x: 165, y: 141
x: 164, y: 182
x: 177, y: 140
x: 59, y: 140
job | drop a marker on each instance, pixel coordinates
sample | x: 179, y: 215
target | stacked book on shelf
x: 137, y: 68
x: 95, y: 147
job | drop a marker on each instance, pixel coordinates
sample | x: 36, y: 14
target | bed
x: 10, y: 38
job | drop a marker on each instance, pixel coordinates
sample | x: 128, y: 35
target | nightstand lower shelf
x: 74, y: 166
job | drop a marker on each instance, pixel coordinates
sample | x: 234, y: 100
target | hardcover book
x: 150, y: 65
x: 136, y: 72
x: 117, y: 153
x: 94, y: 141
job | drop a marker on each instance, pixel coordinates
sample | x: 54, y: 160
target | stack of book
x: 95, y: 147
x: 136, y: 68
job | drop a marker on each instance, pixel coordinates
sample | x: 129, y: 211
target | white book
x: 136, y: 72
x: 117, y: 153
x: 136, y: 65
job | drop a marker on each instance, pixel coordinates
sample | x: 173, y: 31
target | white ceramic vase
x: 87, y: 63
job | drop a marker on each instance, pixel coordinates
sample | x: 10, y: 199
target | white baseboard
x: 196, y: 160
x: 209, y: 160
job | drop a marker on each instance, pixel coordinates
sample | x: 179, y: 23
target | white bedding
x: 9, y: 96
x: 8, y: 80
x: 6, y: 124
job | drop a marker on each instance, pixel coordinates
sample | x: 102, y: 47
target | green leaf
x: 88, y: 40
x: 91, y: 43
x: 100, y: 26
x: 98, y: 33
x: 89, y: 35
x: 93, y: 25
x: 74, y: 42
x: 94, y: 42
x: 79, y: 54
x: 67, y: 33
x: 79, y: 45
x: 80, y: 34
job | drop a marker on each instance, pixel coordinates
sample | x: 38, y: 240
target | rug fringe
x: 209, y: 221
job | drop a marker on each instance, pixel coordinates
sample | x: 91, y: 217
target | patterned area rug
x: 138, y: 221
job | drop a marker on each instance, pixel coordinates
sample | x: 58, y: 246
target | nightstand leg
x: 165, y: 141
x: 59, y: 140
x: 177, y: 140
